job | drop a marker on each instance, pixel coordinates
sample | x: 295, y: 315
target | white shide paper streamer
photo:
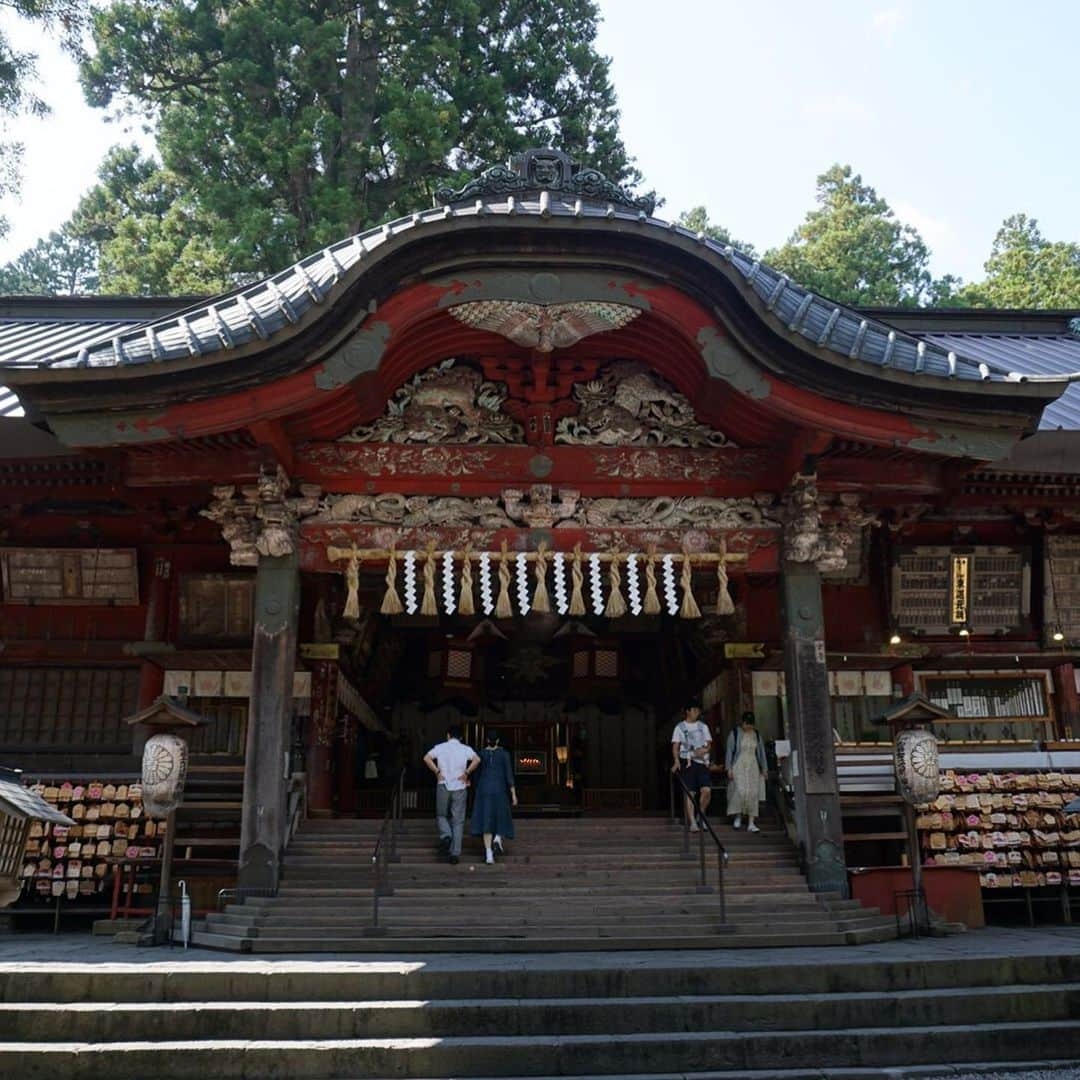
x: 448, y: 581
x: 487, y: 600
x: 669, y: 585
x: 410, y: 583
x: 633, y: 585
x: 594, y: 584
x: 562, y: 603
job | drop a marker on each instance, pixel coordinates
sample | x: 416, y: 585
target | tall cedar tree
x: 294, y: 123
x: 853, y: 250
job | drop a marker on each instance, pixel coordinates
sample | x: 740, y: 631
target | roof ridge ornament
x: 544, y: 169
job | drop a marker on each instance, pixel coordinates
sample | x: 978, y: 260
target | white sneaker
x: 753, y: 828
x: 497, y: 844
x: 693, y: 826
x: 737, y: 823
x: 488, y: 856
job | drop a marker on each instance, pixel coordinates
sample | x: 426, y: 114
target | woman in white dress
x: 746, y: 769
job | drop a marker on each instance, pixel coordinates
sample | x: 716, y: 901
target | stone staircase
x: 823, y: 1013
x: 601, y: 883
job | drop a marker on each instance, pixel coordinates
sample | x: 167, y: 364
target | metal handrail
x: 386, y: 852
x: 704, y: 825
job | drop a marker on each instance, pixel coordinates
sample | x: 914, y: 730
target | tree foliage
x: 151, y: 236
x: 853, y: 249
x: 18, y: 75
x: 58, y: 265
x: 697, y: 220
x: 1025, y: 270
x: 293, y: 123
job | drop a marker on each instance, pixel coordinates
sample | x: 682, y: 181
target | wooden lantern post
x: 915, y: 757
x: 165, y: 770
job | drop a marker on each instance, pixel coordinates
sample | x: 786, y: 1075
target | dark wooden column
x: 151, y: 676
x: 817, y: 796
x: 273, y: 658
x: 1068, y: 702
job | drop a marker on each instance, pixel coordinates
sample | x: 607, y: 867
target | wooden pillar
x: 904, y: 677
x: 273, y: 658
x: 319, y: 737
x: 817, y: 796
x: 1068, y: 702
x: 151, y: 676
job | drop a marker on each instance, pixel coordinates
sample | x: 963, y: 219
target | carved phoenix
x: 544, y: 327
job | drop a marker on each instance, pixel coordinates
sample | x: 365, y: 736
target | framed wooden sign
x: 938, y: 590
x: 70, y: 575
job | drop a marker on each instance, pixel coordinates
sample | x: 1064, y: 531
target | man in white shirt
x: 452, y: 762
x: 691, y: 742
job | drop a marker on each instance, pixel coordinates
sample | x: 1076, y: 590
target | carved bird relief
x: 544, y: 328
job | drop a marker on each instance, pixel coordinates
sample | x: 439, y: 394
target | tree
x: 1025, y: 270
x: 293, y: 123
x: 697, y: 220
x: 852, y: 248
x: 152, y: 238
x: 58, y: 265
x: 18, y: 74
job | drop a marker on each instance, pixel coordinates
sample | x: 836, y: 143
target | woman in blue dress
x: 495, y: 794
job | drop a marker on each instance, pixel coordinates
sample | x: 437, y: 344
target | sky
x: 959, y: 112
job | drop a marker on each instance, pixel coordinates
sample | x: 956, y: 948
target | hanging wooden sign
x: 70, y: 575
x: 961, y: 584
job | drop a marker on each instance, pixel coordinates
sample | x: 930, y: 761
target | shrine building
x: 533, y: 459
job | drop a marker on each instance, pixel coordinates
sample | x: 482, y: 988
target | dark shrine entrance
x: 584, y: 706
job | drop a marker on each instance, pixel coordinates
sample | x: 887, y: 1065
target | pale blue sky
x: 959, y: 113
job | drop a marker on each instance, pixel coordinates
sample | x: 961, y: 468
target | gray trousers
x: 450, y: 815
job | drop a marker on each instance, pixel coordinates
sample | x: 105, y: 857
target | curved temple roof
x: 261, y: 311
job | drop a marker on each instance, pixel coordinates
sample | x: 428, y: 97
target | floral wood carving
x: 261, y: 518
x: 541, y: 507
x: 448, y: 403
x: 629, y: 406
x: 544, y: 327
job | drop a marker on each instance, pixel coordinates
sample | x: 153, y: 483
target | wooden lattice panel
x: 1062, y: 584
x: 935, y: 590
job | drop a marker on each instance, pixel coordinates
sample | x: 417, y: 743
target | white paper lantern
x: 164, y: 771
x: 918, y: 772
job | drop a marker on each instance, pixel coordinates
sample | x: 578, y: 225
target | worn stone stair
x: 467, y: 1016
x: 587, y: 884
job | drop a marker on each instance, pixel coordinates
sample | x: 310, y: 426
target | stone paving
x: 26, y: 951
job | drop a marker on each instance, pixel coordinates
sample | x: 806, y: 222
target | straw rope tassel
x: 689, y: 608
x: 651, y: 603
x: 391, y: 602
x: 429, y: 605
x: 465, y: 600
x: 616, y: 605
x: 503, y: 608
x: 541, y: 601
x: 352, y: 578
x: 577, y: 577
x: 724, y: 604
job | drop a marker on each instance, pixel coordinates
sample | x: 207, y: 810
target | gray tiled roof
x: 1034, y: 354
x: 28, y: 342
x: 263, y: 309
x: 17, y: 801
x: 266, y: 308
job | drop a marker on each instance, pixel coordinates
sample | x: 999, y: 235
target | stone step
x: 487, y: 1056
x: 561, y: 976
x: 104, y: 1022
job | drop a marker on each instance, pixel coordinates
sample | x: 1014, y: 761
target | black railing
x: 704, y: 826
x: 386, y: 852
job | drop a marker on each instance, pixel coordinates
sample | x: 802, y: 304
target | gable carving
x: 544, y: 327
x: 627, y: 405
x: 623, y: 405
